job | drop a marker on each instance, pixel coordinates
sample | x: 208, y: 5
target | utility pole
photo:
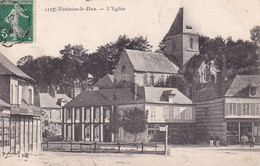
x: 166, y: 140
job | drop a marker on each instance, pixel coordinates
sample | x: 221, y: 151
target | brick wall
x: 210, y: 119
x: 5, y: 88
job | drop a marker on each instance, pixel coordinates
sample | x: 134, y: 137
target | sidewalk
x: 205, y: 146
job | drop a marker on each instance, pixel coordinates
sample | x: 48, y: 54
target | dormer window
x: 252, y: 89
x: 171, y: 98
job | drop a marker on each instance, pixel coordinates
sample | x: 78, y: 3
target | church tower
x: 182, y: 42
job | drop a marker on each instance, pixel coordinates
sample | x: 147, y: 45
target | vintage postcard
x: 130, y: 82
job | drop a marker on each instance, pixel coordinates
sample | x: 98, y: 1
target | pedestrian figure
x: 217, y: 141
x: 211, y: 141
x: 252, y: 141
x: 244, y: 140
x: 183, y: 139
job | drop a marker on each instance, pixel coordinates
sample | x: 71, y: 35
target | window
x: 176, y: 113
x: 16, y: 94
x: 152, y: 80
x: 257, y: 109
x: 152, y: 113
x: 87, y: 114
x: 107, y: 114
x: 30, y: 97
x: 96, y: 133
x: 191, y: 43
x: 87, y: 133
x: 12, y: 94
x: 68, y: 113
x: 166, y: 112
x: 77, y: 113
x: 232, y: 109
x: 145, y: 79
x: 97, y: 112
x: 69, y: 132
x: 188, y: 113
x: 252, y: 90
x: 245, y: 109
x: 123, y: 72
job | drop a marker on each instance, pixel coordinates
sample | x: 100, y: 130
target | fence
x: 105, y: 147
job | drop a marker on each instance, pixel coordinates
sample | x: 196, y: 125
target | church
x: 90, y: 115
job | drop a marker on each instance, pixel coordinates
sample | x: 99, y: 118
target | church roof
x: 106, y: 81
x: 177, y: 25
x: 8, y: 68
x: 151, y: 62
x: 181, y: 24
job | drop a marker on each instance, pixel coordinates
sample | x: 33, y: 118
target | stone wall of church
x: 124, y: 70
x: 150, y: 79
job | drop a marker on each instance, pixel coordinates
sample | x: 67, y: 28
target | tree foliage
x: 135, y: 121
x: 76, y: 67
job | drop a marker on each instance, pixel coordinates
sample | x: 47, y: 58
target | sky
x: 149, y: 18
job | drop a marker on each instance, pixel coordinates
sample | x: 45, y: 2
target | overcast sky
x: 151, y: 18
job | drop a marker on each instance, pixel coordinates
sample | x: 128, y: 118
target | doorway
x: 245, y: 128
x: 107, y: 134
x: 77, y: 133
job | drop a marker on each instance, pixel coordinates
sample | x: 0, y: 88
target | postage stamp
x: 16, y: 21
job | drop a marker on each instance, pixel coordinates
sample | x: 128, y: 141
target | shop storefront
x: 238, y: 127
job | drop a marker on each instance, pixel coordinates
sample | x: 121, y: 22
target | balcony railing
x: 25, y: 110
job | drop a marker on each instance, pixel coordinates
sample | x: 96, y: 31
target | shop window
x: 176, y: 113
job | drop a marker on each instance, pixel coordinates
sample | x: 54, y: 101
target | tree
x: 105, y: 59
x: 255, y: 34
x: 135, y: 121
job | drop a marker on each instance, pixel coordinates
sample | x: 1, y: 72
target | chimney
x: 75, y: 92
x: 53, y: 91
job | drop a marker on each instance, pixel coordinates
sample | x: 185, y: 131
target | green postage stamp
x: 16, y: 21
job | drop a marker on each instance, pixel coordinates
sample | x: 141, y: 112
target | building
x: 229, y: 109
x: 182, y: 41
x: 21, y: 128
x: 51, y: 108
x: 90, y: 115
x: 143, y: 68
x: 5, y: 110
